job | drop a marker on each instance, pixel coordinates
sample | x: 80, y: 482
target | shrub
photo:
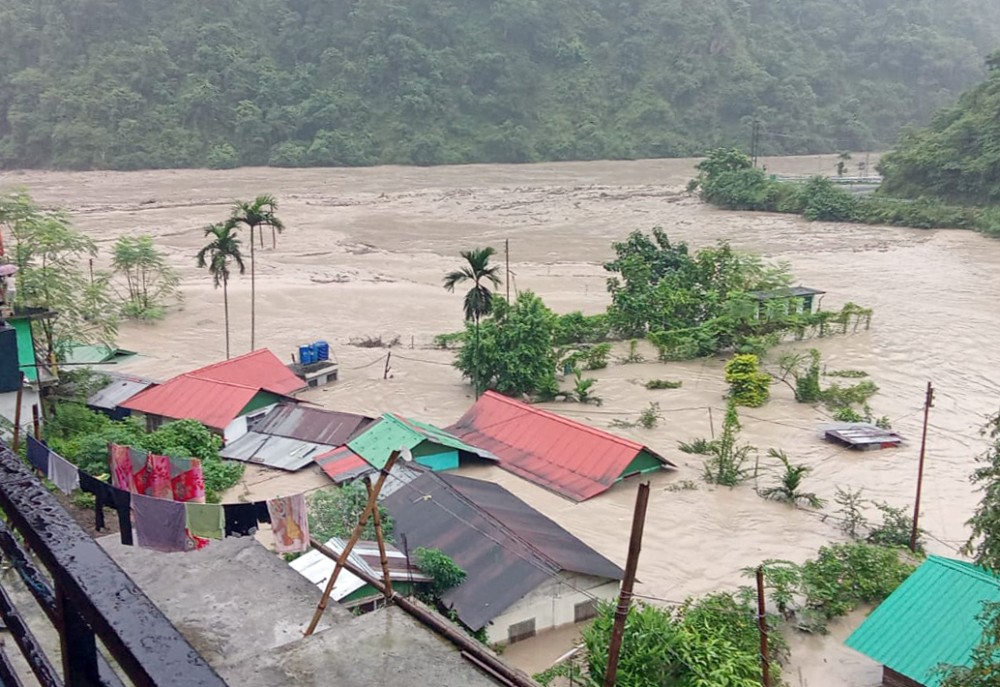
x: 726, y: 461
x: 825, y: 201
x: 442, y: 570
x: 846, y: 575
x: 662, y: 384
x: 576, y: 328
x: 748, y: 386
x: 334, y: 512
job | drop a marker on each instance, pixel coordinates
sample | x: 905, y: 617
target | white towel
x: 63, y: 473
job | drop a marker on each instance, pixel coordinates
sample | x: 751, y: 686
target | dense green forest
x: 141, y: 83
x: 956, y: 158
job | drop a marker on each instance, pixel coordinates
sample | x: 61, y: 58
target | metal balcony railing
x: 86, y: 596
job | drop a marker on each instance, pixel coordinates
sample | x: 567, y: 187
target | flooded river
x: 364, y: 254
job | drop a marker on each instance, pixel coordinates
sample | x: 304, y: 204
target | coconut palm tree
x: 478, y: 299
x: 256, y: 214
x: 217, y: 255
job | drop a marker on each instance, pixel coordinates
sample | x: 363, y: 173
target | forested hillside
x: 166, y: 83
x: 957, y: 157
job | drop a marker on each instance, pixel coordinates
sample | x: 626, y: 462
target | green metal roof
x: 393, y: 433
x: 929, y: 620
x: 80, y: 354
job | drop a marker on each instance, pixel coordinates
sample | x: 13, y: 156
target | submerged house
x: 290, y: 436
x: 796, y: 299
x: 224, y: 397
x: 109, y: 398
x: 929, y: 621
x: 428, y: 445
x: 350, y: 590
x: 524, y: 573
x: 565, y: 456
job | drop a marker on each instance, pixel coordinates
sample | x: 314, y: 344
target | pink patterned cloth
x: 159, y: 485
x: 186, y: 480
x: 290, y: 523
x: 121, y: 467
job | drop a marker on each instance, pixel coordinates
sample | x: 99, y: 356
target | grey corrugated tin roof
x: 315, y: 425
x: 317, y: 567
x: 283, y: 453
x: 861, y: 433
x: 501, y: 566
x: 118, y: 391
x: 786, y: 292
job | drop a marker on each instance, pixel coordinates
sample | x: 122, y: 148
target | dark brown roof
x: 501, y: 566
x: 315, y: 425
x: 543, y: 534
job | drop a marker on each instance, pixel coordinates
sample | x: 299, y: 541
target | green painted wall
x: 25, y: 348
x: 643, y: 462
x: 435, y: 456
x: 262, y: 399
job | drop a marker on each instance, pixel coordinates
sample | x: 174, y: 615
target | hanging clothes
x: 262, y: 512
x: 241, y: 519
x: 158, y: 484
x: 290, y: 523
x: 159, y: 523
x: 63, y: 473
x: 38, y: 455
x: 103, y: 497
x: 128, y: 465
x: 186, y: 480
x: 205, y: 520
x: 122, y: 502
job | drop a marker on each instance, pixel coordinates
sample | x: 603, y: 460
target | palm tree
x: 789, y: 486
x: 256, y: 214
x: 479, y: 299
x: 217, y: 255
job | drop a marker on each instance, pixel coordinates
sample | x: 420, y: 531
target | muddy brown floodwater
x: 364, y: 254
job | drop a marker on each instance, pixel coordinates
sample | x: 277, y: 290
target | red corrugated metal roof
x: 259, y: 368
x: 572, y: 459
x: 342, y: 464
x: 214, y: 404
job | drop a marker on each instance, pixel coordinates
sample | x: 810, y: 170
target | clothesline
x: 162, y: 499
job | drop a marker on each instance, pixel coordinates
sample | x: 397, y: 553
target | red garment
x: 160, y: 485
x: 188, y: 485
x: 122, y: 475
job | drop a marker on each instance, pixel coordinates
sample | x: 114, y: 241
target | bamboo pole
x: 383, y: 558
x: 625, y: 597
x: 355, y: 536
x: 17, y: 412
x: 765, y: 661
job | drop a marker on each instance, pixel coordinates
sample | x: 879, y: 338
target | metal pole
x: 625, y: 597
x: 385, y: 372
x: 506, y: 252
x: 928, y: 403
x: 765, y: 662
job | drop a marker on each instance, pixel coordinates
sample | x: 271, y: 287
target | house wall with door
x: 563, y: 599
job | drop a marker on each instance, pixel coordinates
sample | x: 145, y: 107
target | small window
x: 585, y: 610
x: 522, y: 630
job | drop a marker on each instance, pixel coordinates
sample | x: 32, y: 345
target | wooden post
x: 625, y: 597
x: 17, y: 412
x: 765, y: 662
x: 383, y: 558
x: 36, y: 422
x: 711, y: 423
x: 355, y: 536
x: 385, y: 372
x: 928, y: 403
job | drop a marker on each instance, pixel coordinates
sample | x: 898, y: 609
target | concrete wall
x: 552, y: 604
x: 238, y: 427
x: 8, y: 407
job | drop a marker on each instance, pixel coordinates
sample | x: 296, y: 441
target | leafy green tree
x: 48, y: 253
x: 151, y: 283
x: 984, y: 541
x: 255, y: 215
x: 516, y: 354
x: 442, y: 570
x: 984, y: 664
x: 335, y: 512
x: 217, y: 255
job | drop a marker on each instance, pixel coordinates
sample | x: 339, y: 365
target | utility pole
x: 754, y: 141
x: 506, y: 252
x: 928, y: 404
x: 625, y: 597
x: 765, y: 662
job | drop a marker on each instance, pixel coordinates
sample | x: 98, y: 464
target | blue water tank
x: 306, y: 355
x: 322, y: 350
